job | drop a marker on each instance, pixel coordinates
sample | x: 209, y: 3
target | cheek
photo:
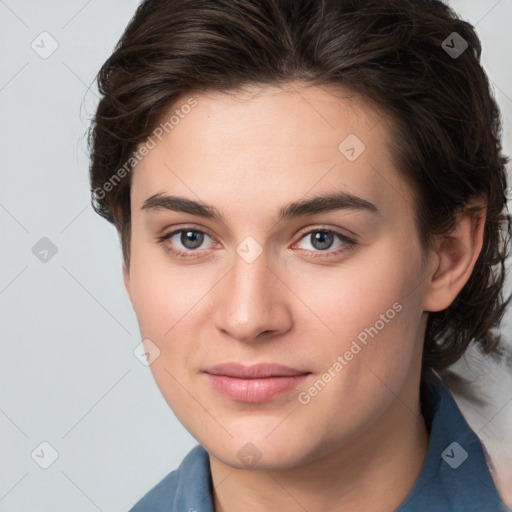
x: 369, y: 309
x: 163, y: 293
x: 354, y: 296
x: 165, y: 301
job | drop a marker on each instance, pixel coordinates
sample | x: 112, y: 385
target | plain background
x: 68, y: 374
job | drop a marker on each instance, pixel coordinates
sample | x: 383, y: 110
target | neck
x: 373, y: 471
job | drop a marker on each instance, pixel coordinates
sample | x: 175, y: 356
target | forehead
x: 271, y: 143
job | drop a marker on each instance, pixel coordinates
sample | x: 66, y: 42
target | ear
x: 126, y: 279
x: 455, y: 257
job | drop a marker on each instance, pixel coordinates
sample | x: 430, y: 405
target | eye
x: 320, y: 240
x: 187, y: 242
x: 183, y: 242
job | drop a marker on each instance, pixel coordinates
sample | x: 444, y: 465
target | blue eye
x: 321, y: 241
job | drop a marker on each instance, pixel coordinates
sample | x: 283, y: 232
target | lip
x: 252, y: 384
x: 255, y: 371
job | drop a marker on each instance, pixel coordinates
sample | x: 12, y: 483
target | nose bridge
x: 251, y: 301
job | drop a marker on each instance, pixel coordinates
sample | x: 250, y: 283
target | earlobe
x: 126, y: 280
x: 456, y: 253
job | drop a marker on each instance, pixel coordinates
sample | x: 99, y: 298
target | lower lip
x: 254, y: 390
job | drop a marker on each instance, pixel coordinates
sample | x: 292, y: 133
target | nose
x: 252, y: 303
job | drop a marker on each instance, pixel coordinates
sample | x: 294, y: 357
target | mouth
x: 253, y: 384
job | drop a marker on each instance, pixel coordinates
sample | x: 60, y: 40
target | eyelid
x: 351, y: 237
x: 183, y: 227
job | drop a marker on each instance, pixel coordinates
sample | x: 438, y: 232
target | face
x: 284, y: 323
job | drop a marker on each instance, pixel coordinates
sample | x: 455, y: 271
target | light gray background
x: 68, y: 373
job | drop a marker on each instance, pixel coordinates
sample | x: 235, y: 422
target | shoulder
x: 184, y: 489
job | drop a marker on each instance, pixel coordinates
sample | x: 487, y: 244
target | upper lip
x: 256, y: 371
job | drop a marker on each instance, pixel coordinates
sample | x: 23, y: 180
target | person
x: 310, y: 197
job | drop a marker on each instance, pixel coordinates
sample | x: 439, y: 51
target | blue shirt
x: 454, y: 476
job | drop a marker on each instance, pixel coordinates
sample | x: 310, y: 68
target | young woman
x: 310, y: 197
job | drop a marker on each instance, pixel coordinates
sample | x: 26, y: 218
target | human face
x: 257, y: 290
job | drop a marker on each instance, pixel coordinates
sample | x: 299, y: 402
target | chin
x: 255, y: 452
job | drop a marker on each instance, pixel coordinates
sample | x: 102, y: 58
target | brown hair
x: 447, y: 127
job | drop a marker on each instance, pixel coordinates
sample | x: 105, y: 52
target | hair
x: 446, y: 125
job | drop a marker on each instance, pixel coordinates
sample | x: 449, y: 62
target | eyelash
x: 348, y: 243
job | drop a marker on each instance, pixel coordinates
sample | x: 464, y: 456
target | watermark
x: 44, y: 455
x: 44, y: 45
x: 146, y: 352
x: 454, y: 45
x: 144, y: 148
x: 305, y: 397
x: 454, y: 455
x: 249, y: 250
x: 249, y: 454
x: 44, y: 250
x: 352, y: 147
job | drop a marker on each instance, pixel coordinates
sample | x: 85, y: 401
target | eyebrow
x: 319, y: 204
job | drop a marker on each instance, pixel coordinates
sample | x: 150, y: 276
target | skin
x: 359, y: 444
